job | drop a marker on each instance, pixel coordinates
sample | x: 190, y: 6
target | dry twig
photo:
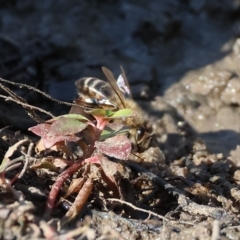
x: 137, y: 208
x: 27, y: 158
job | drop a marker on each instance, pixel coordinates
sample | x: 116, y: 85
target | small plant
x: 103, y: 138
x: 115, y: 115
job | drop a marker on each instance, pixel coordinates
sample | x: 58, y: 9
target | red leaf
x: 67, y: 126
x: 63, y: 129
x: 118, y: 147
x: 41, y: 129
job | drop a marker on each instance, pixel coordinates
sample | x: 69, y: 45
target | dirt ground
x: 182, y: 59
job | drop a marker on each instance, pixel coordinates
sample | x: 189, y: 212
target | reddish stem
x: 101, y: 123
x: 57, y: 186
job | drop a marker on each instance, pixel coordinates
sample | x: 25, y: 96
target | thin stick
x: 20, y: 100
x: 7, y: 166
x: 22, y: 85
x: 149, y: 212
x: 27, y: 158
x: 137, y: 208
x: 27, y: 105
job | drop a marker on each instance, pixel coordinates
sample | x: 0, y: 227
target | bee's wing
x: 112, y: 81
x: 123, y: 84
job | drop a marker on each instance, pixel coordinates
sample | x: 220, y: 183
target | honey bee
x: 114, y: 95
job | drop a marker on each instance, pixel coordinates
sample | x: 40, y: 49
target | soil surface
x: 182, y: 59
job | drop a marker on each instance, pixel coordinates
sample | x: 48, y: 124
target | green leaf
x: 109, y: 114
x: 126, y: 112
x: 100, y: 112
x: 108, y: 132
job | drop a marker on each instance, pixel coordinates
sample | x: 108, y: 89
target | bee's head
x: 141, y: 138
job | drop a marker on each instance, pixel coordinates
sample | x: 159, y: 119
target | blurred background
x: 157, y: 42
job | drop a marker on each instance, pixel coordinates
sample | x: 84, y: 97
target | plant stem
x: 101, y: 123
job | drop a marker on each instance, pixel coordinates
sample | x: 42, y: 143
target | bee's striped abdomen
x: 94, y: 87
x: 96, y: 93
